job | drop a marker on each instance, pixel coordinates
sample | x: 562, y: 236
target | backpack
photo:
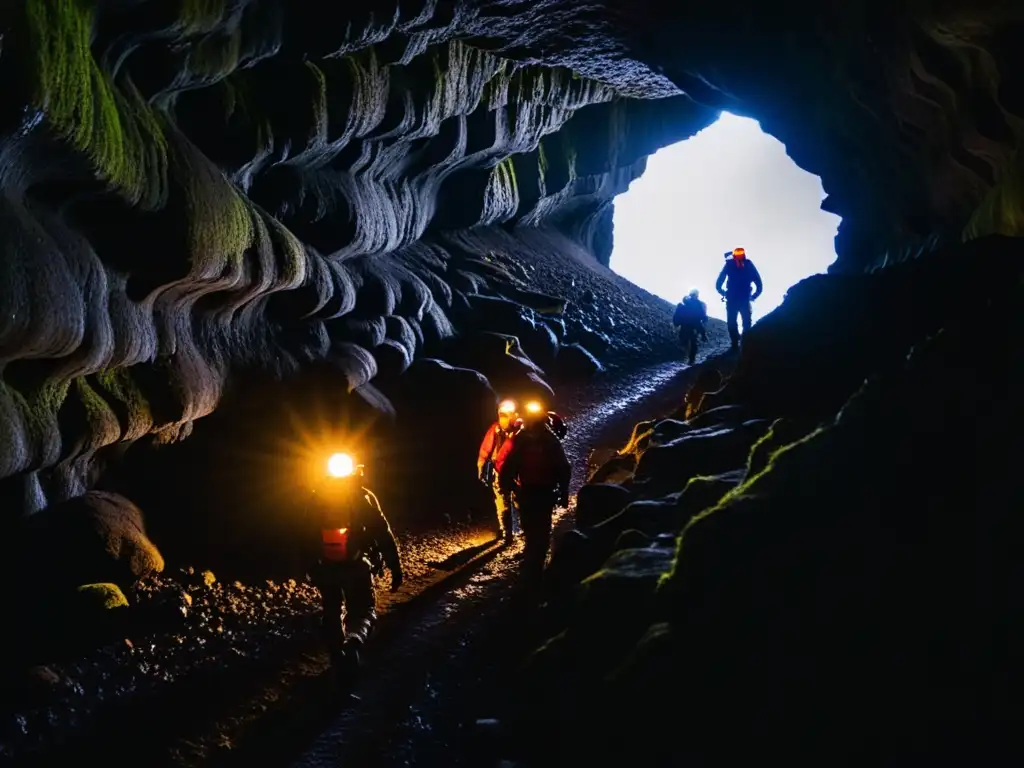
x: 680, y: 316
x: 539, y: 464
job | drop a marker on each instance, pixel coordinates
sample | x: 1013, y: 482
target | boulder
x: 669, y: 515
x: 617, y: 470
x: 612, y: 611
x: 596, y: 502
x: 575, y: 362
x: 631, y: 539
x: 99, y: 537
x: 540, y: 344
x: 542, y: 303
x: 90, y: 598
x: 587, y: 337
x: 782, y: 433
x: 721, y: 416
x: 556, y: 325
x: 869, y: 560
x: 667, y: 468
x: 708, y: 380
x: 502, y: 360
x: 649, y: 516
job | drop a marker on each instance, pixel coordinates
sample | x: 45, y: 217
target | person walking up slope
x: 738, y: 275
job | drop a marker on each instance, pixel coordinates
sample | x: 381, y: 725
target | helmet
x: 739, y: 253
x: 693, y: 294
x: 534, y: 412
x: 507, y: 408
x: 557, y: 425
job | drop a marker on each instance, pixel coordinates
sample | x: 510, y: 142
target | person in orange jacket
x: 536, y: 471
x: 490, y: 458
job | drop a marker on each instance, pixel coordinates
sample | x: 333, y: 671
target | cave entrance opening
x: 731, y: 185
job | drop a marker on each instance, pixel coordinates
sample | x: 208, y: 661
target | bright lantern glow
x: 340, y: 465
x: 534, y: 407
x: 507, y: 406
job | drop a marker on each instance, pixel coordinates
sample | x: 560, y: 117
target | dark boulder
x: 668, y: 467
x: 99, y: 537
x: 502, y: 360
x: 575, y: 362
x: 783, y: 432
x: 618, y: 469
x: 596, y: 502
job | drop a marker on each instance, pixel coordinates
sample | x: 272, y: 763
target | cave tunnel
x: 731, y: 185
x: 239, y: 237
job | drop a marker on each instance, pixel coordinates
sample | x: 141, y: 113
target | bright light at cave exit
x: 731, y: 185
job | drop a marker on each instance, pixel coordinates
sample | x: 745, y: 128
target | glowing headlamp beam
x: 534, y: 407
x: 340, y: 465
x: 507, y: 406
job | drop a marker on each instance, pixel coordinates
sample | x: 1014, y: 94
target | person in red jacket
x: 535, y: 469
x: 488, y: 463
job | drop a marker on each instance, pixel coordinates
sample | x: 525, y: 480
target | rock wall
x: 200, y: 195
x: 834, y: 551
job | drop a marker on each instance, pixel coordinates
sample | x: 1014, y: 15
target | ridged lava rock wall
x: 196, y: 189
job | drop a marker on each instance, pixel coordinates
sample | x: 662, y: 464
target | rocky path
x: 226, y: 625
x: 403, y: 713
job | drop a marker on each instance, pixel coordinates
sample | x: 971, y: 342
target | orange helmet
x: 738, y: 253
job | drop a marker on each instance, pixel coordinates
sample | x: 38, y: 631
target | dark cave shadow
x: 460, y: 558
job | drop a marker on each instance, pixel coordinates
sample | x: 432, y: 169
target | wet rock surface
x: 198, y: 624
x: 414, y: 706
x: 818, y: 566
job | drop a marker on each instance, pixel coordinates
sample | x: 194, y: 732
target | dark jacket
x: 690, y: 312
x: 537, y: 461
x: 740, y: 275
x: 357, y: 509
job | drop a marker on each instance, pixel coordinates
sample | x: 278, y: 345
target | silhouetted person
x: 738, y: 274
x: 691, y: 317
x: 535, y: 469
x: 355, y: 543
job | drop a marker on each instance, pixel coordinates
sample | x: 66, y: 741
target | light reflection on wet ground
x: 401, y: 718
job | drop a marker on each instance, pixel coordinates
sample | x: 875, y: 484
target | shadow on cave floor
x: 460, y: 558
x: 409, y: 711
x: 226, y: 622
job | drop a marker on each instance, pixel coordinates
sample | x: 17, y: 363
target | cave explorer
x: 535, y: 469
x: 690, y: 317
x: 355, y: 544
x: 740, y: 273
x: 488, y: 464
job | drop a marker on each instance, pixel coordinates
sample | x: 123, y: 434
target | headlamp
x: 507, y: 406
x: 534, y: 408
x: 341, y: 465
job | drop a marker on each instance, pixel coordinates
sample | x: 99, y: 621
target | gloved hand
x: 396, y: 579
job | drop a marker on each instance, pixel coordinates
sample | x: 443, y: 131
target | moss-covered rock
x: 783, y: 432
x: 666, y: 468
x: 99, y: 537
x: 97, y: 597
x: 596, y: 502
x: 865, y: 563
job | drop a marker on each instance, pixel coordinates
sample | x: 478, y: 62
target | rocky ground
x: 210, y: 628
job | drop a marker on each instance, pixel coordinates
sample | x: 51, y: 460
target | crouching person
x: 355, y: 544
x: 535, y: 469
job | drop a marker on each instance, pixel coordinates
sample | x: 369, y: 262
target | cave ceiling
x: 192, y: 187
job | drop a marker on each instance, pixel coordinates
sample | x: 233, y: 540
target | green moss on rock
x: 119, y: 133
x: 101, y: 596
